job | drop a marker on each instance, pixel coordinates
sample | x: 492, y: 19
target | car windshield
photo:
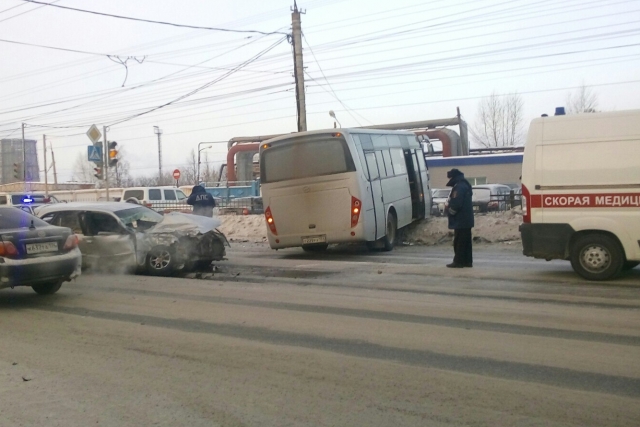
x: 17, y: 218
x: 139, y: 218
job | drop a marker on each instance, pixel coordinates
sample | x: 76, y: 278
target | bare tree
x: 499, y: 121
x: 190, y: 172
x: 582, y: 100
x: 83, y: 170
x: 208, y: 171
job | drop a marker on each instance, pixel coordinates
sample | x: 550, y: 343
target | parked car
x: 132, y: 237
x: 157, y: 198
x: 439, y: 198
x: 34, y: 253
x: 18, y: 199
x: 491, y: 197
x: 31, y: 208
x: 517, y: 193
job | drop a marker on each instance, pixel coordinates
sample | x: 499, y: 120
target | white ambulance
x: 581, y: 191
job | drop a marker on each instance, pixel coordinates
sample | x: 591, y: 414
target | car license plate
x: 38, y: 248
x: 314, y: 239
x: 476, y: 208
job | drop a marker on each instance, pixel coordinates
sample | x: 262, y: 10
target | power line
x: 57, y: 48
x: 205, y: 86
x: 27, y: 11
x: 150, y: 21
x: 335, y: 95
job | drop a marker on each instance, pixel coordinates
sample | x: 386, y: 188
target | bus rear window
x: 306, y: 158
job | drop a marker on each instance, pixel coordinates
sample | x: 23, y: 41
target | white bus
x: 342, y: 186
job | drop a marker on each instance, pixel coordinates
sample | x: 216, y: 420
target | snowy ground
x: 490, y: 228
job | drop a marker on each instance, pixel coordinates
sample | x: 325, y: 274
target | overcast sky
x: 371, y: 61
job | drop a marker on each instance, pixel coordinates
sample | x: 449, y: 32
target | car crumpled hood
x: 184, y: 224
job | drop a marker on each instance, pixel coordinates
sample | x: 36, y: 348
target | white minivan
x: 581, y: 191
x: 156, y: 198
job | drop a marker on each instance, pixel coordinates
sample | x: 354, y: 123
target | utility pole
x: 105, y: 162
x: 46, y: 178
x: 298, y: 66
x: 24, y: 159
x: 158, y: 132
x: 55, y: 173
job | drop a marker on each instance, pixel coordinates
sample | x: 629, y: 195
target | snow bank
x: 491, y: 228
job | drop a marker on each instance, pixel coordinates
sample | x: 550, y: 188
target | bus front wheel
x: 389, y: 240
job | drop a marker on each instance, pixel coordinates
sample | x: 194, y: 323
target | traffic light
x: 99, y: 173
x: 113, y: 154
x: 16, y: 170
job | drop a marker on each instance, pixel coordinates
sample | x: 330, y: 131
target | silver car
x: 127, y: 237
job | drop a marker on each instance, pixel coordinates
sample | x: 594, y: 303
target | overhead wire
x: 150, y: 21
x: 26, y: 11
x: 333, y: 92
x: 203, y: 87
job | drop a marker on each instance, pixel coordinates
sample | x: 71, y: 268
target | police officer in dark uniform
x: 202, y: 202
x: 460, y: 213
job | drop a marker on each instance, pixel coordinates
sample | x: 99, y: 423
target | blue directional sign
x: 95, y: 153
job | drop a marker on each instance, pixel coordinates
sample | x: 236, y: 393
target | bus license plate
x: 314, y: 239
x: 38, y: 248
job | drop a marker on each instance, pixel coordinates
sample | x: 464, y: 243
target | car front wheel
x: 160, y: 261
x: 47, y: 288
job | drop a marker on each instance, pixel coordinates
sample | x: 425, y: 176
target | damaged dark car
x: 120, y: 237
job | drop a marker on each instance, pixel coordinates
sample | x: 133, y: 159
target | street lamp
x: 333, y: 114
x: 199, y: 151
x: 158, y: 132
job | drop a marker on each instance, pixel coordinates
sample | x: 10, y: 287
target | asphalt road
x: 346, y: 338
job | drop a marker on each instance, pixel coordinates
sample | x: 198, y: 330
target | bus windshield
x: 311, y: 156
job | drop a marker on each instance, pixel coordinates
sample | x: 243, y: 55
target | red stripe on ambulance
x: 600, y: 200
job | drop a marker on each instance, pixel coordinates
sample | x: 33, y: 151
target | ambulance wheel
x: 597, y: 257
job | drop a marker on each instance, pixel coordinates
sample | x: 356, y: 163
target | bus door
x: 424, y: 196
x: 415, y: 185
x: 376, y: 194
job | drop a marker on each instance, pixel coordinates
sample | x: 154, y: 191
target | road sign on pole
x: 176, y: 174
x: 94, y: 134
x: 94, y: 153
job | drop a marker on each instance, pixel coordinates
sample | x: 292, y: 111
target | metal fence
x: 496, y: 203
x: 224, y: 206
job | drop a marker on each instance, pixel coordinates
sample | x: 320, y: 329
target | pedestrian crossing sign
x: 94, y: 153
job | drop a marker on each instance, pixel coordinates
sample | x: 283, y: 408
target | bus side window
x: 379, y: 142
x: 380, y: 159
x: 372, y: 166
x: 365, y: 141
x: 399, y: 162
x: 387, y: 162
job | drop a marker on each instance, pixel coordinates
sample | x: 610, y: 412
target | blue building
x: 478, y: 169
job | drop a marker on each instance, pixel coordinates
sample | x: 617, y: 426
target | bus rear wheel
x: 389, y: 240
